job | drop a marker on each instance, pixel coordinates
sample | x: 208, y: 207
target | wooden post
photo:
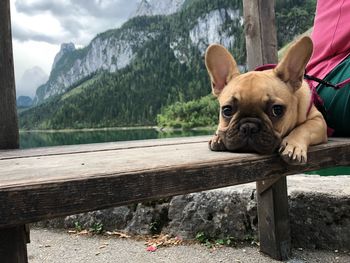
x: 273, y: 219
x: 13, y: 248
x: 260, y: 32
x: 9, y: 138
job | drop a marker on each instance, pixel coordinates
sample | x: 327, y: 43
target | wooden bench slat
x: 37, y: 188
x: 71, y: 166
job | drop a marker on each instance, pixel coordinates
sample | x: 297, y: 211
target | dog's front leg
x: 216, y: 144
x: 313, y: 131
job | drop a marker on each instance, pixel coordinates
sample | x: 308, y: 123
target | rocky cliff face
x: 65, y: 48
x: 158, y: 7
x: 115, y: 49
x: 209, y: 29
x: 102, y: 54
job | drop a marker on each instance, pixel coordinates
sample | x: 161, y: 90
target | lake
x: 33, y: 139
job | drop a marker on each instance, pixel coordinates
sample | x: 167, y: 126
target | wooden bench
x: 52, y: 182
x: 43, y: 183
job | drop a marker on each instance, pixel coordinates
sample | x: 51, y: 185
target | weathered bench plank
x: 34, y: 188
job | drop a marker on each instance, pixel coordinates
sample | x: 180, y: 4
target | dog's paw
x: 293, y: 152
x: 216, y: 144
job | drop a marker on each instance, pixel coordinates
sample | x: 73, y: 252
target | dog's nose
x: 249, y: 126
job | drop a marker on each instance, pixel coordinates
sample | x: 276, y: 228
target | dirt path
x: 60, y: 247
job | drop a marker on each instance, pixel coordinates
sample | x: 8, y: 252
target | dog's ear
x: 292, y: 67
x: 221, y: 67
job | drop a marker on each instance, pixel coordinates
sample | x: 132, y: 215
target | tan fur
x: 254, y: 96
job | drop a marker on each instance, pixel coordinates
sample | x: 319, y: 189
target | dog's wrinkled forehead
x: 252, y: 89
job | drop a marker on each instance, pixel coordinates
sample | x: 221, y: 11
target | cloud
x: 23, y: 34
x: 40, y: 26
x: 76, y: 20
x: 95, y: 8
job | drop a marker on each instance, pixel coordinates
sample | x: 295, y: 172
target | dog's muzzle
x: 250, y: 135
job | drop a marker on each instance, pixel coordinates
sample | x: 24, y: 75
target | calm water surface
x: 33, y: 139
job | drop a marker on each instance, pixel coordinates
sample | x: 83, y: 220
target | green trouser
x: 337, y: 102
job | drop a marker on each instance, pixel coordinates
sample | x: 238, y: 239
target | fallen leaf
x: 151, y: 248
x: 84, y: 232
x: 119, y: 234
x: 163, y: 241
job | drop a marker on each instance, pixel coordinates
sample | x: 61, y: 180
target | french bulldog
x: 265, y: 111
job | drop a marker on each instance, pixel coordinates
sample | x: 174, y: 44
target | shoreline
x: 159, y: 129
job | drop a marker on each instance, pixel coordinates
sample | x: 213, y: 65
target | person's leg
x: 337, y: 102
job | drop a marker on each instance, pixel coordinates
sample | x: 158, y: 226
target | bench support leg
x: 274, y: 228
x: 13, y: 244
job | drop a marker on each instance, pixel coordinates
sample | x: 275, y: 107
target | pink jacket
x: 331, y: 36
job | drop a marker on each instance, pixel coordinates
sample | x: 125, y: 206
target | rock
x: 104, y: 53
x: 148, y: 219
x: 113, y: 218
x: 209, y: 29
x: 319, y: 213
x: 65, y: 48
x: 157, y: 7
x: 217, y: 213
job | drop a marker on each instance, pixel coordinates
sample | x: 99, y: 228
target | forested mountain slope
x: 126, y: 76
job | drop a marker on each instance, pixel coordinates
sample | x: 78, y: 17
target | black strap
x: 321, y: 81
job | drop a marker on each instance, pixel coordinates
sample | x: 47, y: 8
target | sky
x: 40, y: 26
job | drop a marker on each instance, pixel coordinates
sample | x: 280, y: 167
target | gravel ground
x: 53, y: 246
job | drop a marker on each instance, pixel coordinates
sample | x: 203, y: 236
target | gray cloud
x: 81, y: 20
x: 23, y: 34
x: 96, y: 8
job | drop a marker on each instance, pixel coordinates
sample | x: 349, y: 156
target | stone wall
x: 319, y: 214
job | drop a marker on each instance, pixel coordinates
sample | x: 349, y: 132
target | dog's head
x: 257, y: 109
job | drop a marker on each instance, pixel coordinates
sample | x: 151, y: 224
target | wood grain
x: 260, y: 32
x: 37, y: 188
x: 261, y: 45
x: 9, y: 138
x: 13, y: 248
x: 274, y: 226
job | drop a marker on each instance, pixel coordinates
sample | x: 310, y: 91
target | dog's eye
x: 277, y: 111
x: 227, y: 111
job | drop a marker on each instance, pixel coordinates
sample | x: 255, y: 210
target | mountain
x: 66, y: 48
x: 30, y: 81
x: 158, y: 7
x: 24, y: 102
x: 125, y: 76
x: 113, y: 50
